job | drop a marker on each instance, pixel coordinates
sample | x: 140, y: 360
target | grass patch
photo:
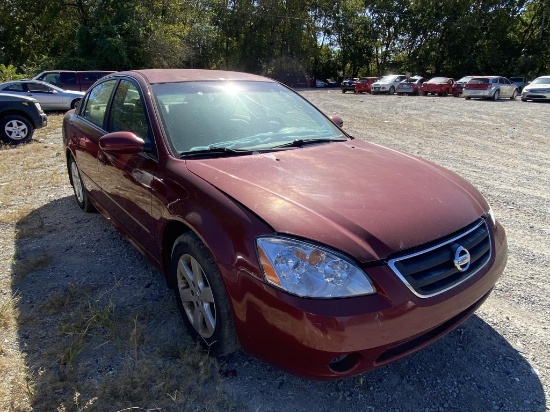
x: 8, y: 312
x: 86, y: 345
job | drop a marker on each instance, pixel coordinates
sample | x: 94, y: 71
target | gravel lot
x: 499, y: 360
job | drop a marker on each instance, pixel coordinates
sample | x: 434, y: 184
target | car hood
x: 361, y: 198
x: 538, y: 86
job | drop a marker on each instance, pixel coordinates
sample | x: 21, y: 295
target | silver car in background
x: 387, y: 84
x: 538, y: 89
x: 49, y: 96
x: 489, y: 87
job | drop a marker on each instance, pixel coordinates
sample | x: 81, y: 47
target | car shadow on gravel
x: 91, y: 308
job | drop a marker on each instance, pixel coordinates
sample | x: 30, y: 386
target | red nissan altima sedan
x: 318, y: 253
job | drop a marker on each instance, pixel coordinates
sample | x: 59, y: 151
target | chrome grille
x: 433, y: 270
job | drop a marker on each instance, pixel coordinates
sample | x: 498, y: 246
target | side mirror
x: 337, y: 120
x: 121, y: 143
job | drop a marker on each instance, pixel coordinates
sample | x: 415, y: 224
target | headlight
x: 492, y: 216
x: 308, y: 270
x: 38, y: 106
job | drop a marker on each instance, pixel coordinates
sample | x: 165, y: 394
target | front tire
x: 514, y: 95
x: 392, y: 90
x: 15, y: 129
x: 80, y: 192
x: 201, y: 296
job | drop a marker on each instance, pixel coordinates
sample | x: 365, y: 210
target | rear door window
x: 68, y: 78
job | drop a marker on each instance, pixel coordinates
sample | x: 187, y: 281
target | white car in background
x: 538, y: 89
x: 387, y: 84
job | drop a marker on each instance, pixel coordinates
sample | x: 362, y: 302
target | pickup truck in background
x: 71, y: 79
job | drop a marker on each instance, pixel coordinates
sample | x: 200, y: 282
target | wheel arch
x: 9, y: 112
x: 172, y: 231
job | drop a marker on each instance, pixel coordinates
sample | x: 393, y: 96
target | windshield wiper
x: 214, y: 151
x: 305, y: 142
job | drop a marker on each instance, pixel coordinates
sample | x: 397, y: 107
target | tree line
x: 280, y: 38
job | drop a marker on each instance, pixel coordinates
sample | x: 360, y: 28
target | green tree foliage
x: 284, y: 39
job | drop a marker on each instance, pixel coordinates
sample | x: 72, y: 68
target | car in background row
x: 410, y: 86
x: 459, y: 85
x: 236, y: 188
x: 71, y: 79
x: 364, y: 84
x: 387, y: 84
x: 490, y: 87
x: 331, y: 83
x: 348, y: 85
x: 442, y: 86
x: 19, y: 117
x: 538, y: 89
x: 49, y: 96
x: 520, y: 82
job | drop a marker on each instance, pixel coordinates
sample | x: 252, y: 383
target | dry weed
x: 8, y: 312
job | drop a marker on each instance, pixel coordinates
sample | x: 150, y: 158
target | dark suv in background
x: 19, y: 116
x: 70, y: 79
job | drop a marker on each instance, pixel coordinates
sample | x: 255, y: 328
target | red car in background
x: 364, y: 85
x: 442, y: 86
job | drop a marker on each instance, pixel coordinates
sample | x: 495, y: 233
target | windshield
x: 387, y: 79
x: 465, y: 79
x: 480, y: 80
x: 541, y: 80
x: 213, y: 115
x: 438, y: 80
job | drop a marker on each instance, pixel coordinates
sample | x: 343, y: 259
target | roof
x: 188, y: 75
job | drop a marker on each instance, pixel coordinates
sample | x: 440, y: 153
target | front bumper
x: 336, y: 338
x: 385, y: 88
x: 43, y: 120
x: 536, y: 94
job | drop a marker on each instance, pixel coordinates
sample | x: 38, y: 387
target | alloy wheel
x: 77, y: 183
x: 196, y: 296
x: 16, y: 130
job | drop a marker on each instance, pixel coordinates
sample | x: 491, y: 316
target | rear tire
x: 201, y: 296
x: 74, y: 103
x: 80, y: 192
x: 15, y: 129
x: 496, y: 95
